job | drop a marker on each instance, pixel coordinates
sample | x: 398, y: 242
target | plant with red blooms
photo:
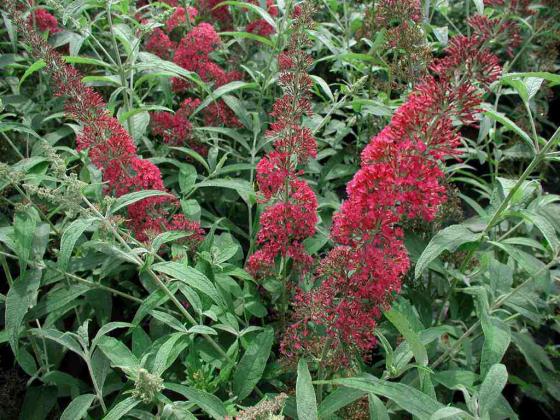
x: 500, y: 31
x: 191, y: 52
x: 400, y: 178
x: 406, y: 48
x: 381, y: 227
x: 110, y: 147
x: 291, y: 212
x: 502, y: 27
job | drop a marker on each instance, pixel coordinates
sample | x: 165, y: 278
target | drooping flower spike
x: 400, y: 178
x: 109, y: 145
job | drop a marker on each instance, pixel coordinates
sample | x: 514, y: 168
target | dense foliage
x: 279, y: 209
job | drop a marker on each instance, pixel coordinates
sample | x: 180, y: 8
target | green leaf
x: 251, y: 366
x: 71, y: 59
x: 113, y: 81
x: 38, y: 402
x: 178, y: 410
x: 169, y: 320
x: 413, y: 339
x: 408, y: 398
x: 187, y: 178
x: 64, y: 339
x: 57, y: 299
x: 78, y: 407
x: 305, y: 394
x: 133, y: 197
x: 25, y: 223
x: 492, y: 387
x: 119, y: 355
x: 449, y: 413
x: 148, y: 61
x: 196, y: 156
x: 448, y: 239
x: 208, y: 402
x: 338, y: 399
x: 155, y: 299
x: 118, y: 411
x: 532, y: 85
x: 260, y: 11
x: 456, y: 378
x: 537, y: 358
x: 107, y: 328
x: 222, y: 90
x: 165, y: 237
x: 191, y: 277
x: 24, y: 164
x: 18, y: 300
x: 69, y: 238
x: 418, y: 349
x: 36, y: 66
x: 168, y: 352
x: 551, y: 77
x: 324, y: 86
x: 202, y: 329
x: 527, y: 262
x: 243, y: 187
x: 135, y: 111
x: 497, y: 336
x: 254, y: 37
x: 545, y: 226
x: 377, y: 410
x: 505, y: 121
x: 479, y: 6
x: 442, y: 34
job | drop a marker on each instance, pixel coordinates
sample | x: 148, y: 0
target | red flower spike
x: 400, y: 177
x: 291, y: 215
x: 109, y: 145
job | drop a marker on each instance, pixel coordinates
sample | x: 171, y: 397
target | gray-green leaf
x: 305, y: 395
x: 448, y: 239
x: 78, y: 407
x: 251, y: 366
x: 492, y: 387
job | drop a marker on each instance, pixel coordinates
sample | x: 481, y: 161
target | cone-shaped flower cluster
x: 192, y: 52
x: 400, y: 177
x: 109, y: 145
x: 44, y: 21
x: 291, y: 214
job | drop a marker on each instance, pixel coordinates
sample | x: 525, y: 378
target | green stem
x: 98, y: 392
x: 6, y: 269
x: 322, y: 369
x: 499, y: 302
x: 284, y: 295
x: 503, y: 205
x: 44, y: 346
x: 498, y: 213
x: 13, y: 146
x: 122, y: 75
x: 158, y: 281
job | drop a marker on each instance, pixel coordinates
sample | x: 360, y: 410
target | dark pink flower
x: 44, y: 21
